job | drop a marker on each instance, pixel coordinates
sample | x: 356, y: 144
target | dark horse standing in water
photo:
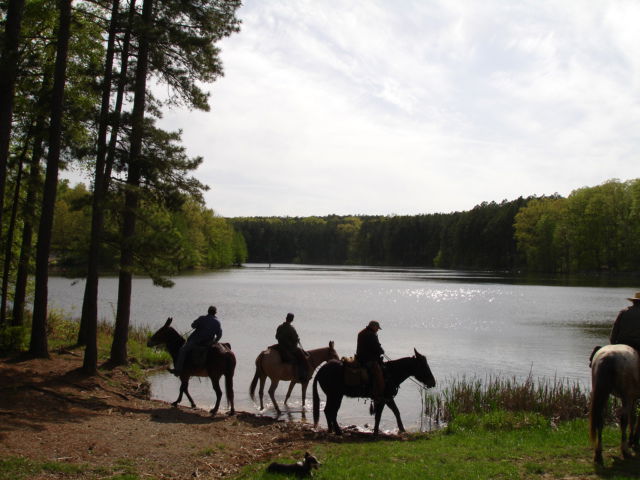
x: 331, y: 379
x: 615, y: 369
x: 219, y: 361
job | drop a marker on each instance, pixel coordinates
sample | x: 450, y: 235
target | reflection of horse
x: 269, y: 364
x: 615, y: 369
x: 219, y: 361
x: 331, y: 379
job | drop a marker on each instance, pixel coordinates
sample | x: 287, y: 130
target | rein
x: 420, y: 385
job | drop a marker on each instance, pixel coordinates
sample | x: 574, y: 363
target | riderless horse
x: 269, y: 364
x: 615, y: 369
x: 219, y: 360
x: 331, y: 378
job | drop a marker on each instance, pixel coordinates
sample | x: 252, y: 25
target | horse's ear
x: 417, y: 354
x: 331, y: 344
x: 168, y: 322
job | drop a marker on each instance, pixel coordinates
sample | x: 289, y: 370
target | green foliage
x: 497, y: 420
x: 594, y: 229
x: 13, y: 339
x: 174, y: 235
x: 553, y: 399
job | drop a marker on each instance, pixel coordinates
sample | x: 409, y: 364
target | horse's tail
x: 228, y: 376
x: 603, y: 381
x: 256, y: 376
x: 316, y: 399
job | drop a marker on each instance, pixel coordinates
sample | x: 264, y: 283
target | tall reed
x: 555, y: 399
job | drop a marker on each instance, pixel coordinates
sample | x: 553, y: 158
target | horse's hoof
x: 213, y: 411
x: 174, y: 404
x: 231, y: 412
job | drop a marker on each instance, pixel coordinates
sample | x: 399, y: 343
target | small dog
x: 300, y: 469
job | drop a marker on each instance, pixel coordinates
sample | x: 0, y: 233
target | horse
x: 220, y: 360
x: 615, y: 369
x: 269, y: 364
x: 331, y: 379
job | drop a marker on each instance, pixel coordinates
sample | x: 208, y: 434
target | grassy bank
x: 62, y: 334
x: 498, y: 445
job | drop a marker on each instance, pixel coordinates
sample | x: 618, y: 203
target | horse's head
x: 164, y: 335
x: 333, y: 355
x: 421, y: 370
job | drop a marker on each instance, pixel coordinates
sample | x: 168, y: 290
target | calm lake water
x: 468, y: 324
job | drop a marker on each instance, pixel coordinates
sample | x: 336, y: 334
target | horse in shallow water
x: 269, y: 364
x: 220, y: 360
x: 331, y: 379
x: 615, y: 369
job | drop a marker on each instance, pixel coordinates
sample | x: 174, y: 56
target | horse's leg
x: 331, y: 413
x: 261, y: 390
x: 289, y: 390
x: 396, y: 412
x: 215, y: 383
x: 229, y: 389
x: 272, y: 391
x: 304, y: 394
x: 635, y: 436
x: 624, y: 422
x: 378, y: 406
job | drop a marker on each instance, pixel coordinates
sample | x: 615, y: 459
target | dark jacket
x: 626, y: 328
x: 207, y: 329
x: 287, y: 336
x: 369, y: 348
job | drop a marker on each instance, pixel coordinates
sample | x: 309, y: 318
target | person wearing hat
x: 206, y: 331
x: 369, y: 353
x: 626, y: 328
x: 289, y: 341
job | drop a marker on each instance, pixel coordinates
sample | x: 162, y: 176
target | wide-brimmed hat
x: 375, y: 324
x: 635, y: 298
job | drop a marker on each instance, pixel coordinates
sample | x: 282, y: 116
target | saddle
x: 198, y: 355
x: 355, y: 375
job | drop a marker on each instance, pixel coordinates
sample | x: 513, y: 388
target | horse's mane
x: 174, y: 339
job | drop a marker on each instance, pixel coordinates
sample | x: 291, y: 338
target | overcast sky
x: 417, y: 106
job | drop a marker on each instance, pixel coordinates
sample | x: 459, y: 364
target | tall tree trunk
x: 8, y: 253
x: 9, y: 69
x: 100, y: 185
x: 39, y: 345
x: 119, y: 345
x: 87, y: 315
x: 29, y: 209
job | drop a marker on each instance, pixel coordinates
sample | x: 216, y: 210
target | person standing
x: 207, y: 331
x: 369, y: 353
x: 626, y: 328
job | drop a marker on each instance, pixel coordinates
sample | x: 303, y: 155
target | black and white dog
x: 301, y: 469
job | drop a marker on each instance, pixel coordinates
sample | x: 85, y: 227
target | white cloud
x: 414, y: 107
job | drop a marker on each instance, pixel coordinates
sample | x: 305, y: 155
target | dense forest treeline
x: 593, y: 229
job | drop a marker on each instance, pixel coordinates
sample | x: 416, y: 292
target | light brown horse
x: 615, y: 369
x: 220, y: 360
x: 269, y: 364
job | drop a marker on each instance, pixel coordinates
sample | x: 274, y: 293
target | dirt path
x: 50, y: 411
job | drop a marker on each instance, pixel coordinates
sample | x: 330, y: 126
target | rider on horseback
x: 369, y: 353
x: 288, y: 341
x: 207, y: 331
x: 626, y: 328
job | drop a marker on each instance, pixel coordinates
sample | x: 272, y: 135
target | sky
x: 373, y: 107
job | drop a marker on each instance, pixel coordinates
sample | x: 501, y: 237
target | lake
x: 468, y: 324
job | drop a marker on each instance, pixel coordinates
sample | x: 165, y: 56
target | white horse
x: 615, y: 369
